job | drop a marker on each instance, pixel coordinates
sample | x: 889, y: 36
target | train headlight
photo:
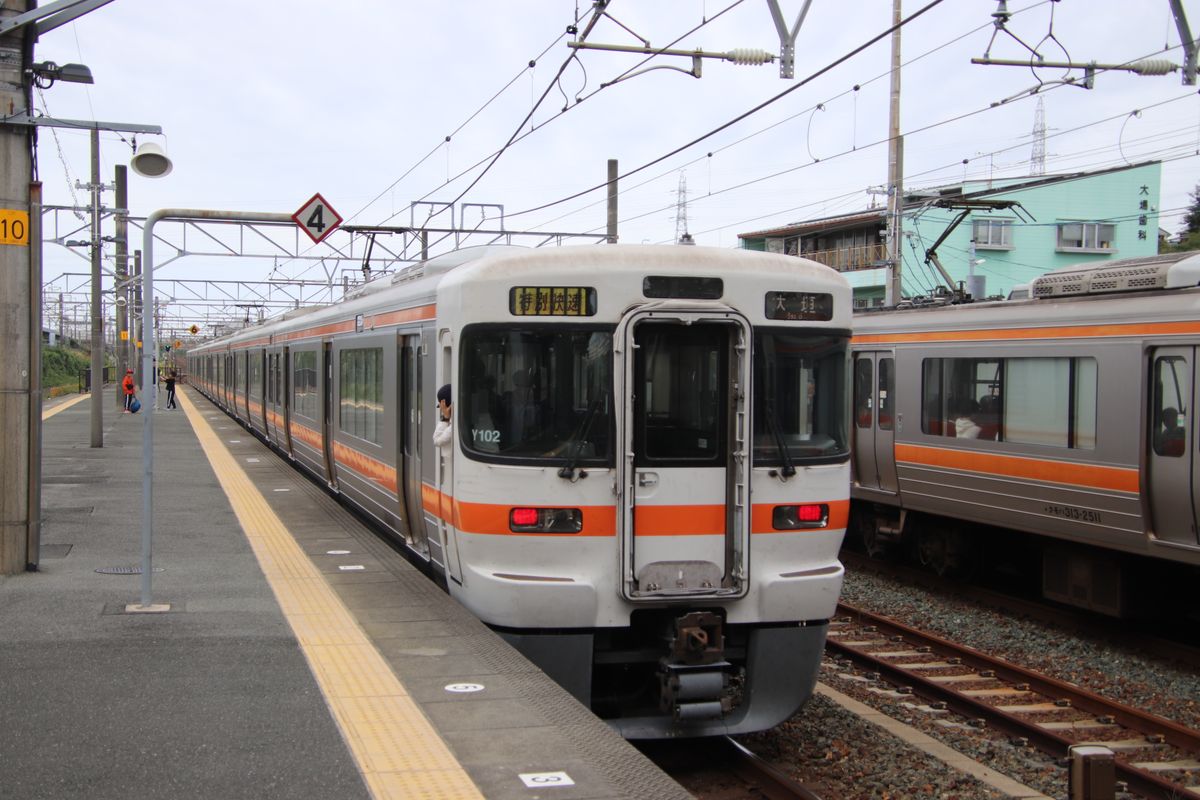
x: 545, y: 520
x: 808, y: 515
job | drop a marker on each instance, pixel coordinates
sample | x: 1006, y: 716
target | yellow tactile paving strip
x: 398, y: 752
x: 50, y: 412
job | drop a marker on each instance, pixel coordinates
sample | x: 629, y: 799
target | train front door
x: 1174, y: 482
x: 684, y: 515
x: 875, y: 421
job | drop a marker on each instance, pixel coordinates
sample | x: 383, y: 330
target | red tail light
x: 545, y: 520
x: 809, y: 515
x: 524, y: 516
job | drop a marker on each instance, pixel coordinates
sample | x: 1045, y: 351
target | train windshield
x: 537, y: 393
x: 799, y: 398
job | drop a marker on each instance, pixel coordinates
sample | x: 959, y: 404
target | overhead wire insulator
x: 746, y: 56
x: 1153, y: 66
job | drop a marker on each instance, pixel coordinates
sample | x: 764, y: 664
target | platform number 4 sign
x: 317, y: 218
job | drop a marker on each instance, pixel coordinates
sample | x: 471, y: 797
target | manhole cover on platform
x: 134, y: 570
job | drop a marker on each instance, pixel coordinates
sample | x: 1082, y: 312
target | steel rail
x: 1139, y: 780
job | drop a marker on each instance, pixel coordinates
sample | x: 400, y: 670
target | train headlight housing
x: 545, y: 520
x: 807, y: 515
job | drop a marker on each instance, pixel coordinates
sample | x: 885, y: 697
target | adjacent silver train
x: 648, y: 484
x: 1069, y: 416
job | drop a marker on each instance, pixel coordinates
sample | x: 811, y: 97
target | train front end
x: 650, y: 474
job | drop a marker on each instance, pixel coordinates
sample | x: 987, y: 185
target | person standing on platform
x: 170, y: 384
x: 130, y: 391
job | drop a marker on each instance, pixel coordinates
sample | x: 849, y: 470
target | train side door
x: 285, y: 384
x: 327, y: 396
x: 875, y: 421
x: 1171, y: 446
x: 685, y: 526
x: 409, y: 430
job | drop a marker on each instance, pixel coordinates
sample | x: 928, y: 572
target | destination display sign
x: 800, y: 306
x: 552, y: 301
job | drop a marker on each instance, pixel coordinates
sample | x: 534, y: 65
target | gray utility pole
x: 97, y: 318
x: 895, y: 240
x: 136, y: 321
x: 612, y: 201
x: 19, y: 303
x: 121, y: 335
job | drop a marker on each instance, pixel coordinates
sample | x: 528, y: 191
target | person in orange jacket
x: 130, y: 392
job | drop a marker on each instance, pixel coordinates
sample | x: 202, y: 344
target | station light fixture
x: 45, y: 73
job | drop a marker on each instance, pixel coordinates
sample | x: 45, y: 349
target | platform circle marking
x: 464, y: 688
x: 337, y: 552
x: 535, y: 780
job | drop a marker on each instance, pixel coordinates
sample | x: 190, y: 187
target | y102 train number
x: 1070, y: 512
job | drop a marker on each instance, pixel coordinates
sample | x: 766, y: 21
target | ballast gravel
x: 841, y: 755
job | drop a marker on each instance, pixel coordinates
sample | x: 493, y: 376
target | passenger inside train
x: 1169, y: 434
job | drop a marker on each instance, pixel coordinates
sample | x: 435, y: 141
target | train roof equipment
x: 1167, y: 271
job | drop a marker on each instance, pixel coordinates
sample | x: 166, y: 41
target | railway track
x: 1172, y: 644
x: 719, y: 768
x: 1153, y: 756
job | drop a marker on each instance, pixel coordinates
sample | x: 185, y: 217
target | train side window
x: 1051, y: 401
x: 1037, y: 408
x: 887, y: 390
x: 304, y: 383
x: 255, y: 374
x: 962, y: 398
x: 360, y: 393
x: 1085, y: 404
x: 862, y: 392
x: 932, y: 406
x: 1171, y: 391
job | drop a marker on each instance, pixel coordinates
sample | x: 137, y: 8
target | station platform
x: 301, y: 656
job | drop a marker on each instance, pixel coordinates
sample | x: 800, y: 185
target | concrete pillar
x: 16, y: 368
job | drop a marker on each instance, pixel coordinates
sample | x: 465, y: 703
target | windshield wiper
x: 578, y: 438
x: 772, y: 423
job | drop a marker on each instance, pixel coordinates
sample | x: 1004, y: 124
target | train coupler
x: 694, y: 678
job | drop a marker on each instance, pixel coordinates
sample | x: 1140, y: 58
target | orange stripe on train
x: 492, y: 519
x: 371, y: 468
x: 1120, y: 479
x: 1049, y: 332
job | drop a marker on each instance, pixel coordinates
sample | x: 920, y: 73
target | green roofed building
x: 1051, y: 221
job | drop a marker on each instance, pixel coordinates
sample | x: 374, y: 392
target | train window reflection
x: 681, y: 380
x: 1041, y: 401
x: 360, y: 393
x: 304, y: 384
x: 799, y: 397
x: 536, y: 393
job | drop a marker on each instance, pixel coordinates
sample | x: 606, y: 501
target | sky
x: 264, y: 104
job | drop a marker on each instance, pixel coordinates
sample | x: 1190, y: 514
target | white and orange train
x: 1069, y: 416
x: 648, y: 482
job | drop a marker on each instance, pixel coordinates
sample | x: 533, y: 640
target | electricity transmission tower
x: 681, y: 220
x: 1037, y: 159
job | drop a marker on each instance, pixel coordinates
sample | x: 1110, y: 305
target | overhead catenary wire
x: 766, y: 103
x: 790, y: 170
x: 913, y: 132
x: 532, y: 63
x: 854, y: 91
x: 495, y: 153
